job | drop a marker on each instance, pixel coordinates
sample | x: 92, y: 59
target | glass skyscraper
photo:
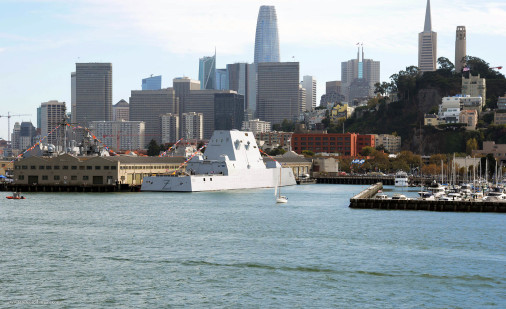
x: 152, y: 83
x: 266, y: 38
x: 207, y: 72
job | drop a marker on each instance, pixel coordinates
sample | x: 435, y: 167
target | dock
x: 365, y: 200
x: 68, y: 188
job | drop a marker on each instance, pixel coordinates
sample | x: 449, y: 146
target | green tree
x: 471, y: 144
x: 445, y: 64
x: 367, y: 151
x: 308, y: 153
x: 153, y: 148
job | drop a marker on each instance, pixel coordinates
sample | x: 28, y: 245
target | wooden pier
x: 365, y: 200
x: 356, y: 180
x: 68, y: 188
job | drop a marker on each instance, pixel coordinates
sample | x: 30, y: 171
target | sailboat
x: 280, y: 199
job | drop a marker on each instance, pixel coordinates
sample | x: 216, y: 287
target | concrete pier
x: 365, y: 200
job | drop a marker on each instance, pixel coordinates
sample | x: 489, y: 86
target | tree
x: 308, y: 153
x: 445, y: 64
x: 367, y: 151
x: 153, y: 148
x: 471, y: 144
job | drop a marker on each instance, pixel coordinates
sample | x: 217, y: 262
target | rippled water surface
x: 240, y: 249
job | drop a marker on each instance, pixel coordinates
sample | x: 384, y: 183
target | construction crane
x: 9, y: 124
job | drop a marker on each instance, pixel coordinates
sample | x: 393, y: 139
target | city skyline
x: 42, y: 41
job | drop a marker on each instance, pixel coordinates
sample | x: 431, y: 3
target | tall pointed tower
x: 427, y: 45
x: 266, y: 37
x: 460, y: 48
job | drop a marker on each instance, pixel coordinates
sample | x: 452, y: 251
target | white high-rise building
x: 51, y: 115
x: 427, y: 45
x: 120, y: 135
x: 192, y: 126
x: 309, y: 83
x: 170, y: 128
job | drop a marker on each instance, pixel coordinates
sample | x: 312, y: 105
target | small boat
x: 15, y: 196
x: 381, y: 196
x: 399, y: 197
x: 280, y: 199
x: 401, y: 179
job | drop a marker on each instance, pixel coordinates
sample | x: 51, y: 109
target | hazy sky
x: 41, y: 40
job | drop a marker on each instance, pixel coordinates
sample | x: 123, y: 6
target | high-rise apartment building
x: 309, y: 83
x: 207, y: 72
x: 93, y: 92
x: 359, y: 76
x: 52, y: 114
x: 228, y: 111
x: 266, y: 37
x: 120, y: 135
x: 169, y: 124
x: 475, y: 86
x: 121, y: 111
x: 148, y: 105
x: 460, y: 48
x: 302, y: 99
x: 192, y: 126
x: 152, y: 83
x: 427, y: 45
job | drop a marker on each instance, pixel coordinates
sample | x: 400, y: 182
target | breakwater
x: 69, y: 188
x: 356, y: 180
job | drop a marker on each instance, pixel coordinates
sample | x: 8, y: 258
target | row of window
x: 140, y: 167
x: 325, y: 138
x: 65, y: 167
x: 340, y: 144
x: 57, y: 177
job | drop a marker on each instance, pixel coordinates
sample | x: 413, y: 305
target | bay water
x: 239, y: 249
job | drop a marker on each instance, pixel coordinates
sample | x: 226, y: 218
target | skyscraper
x: 192, y: 125
x: 93, y: 92
x: 169, y: 124
x: 182, y: 87
x: 309, y: 83
x: 121, y: 111
x: 152, y: 83
x: 427, y: 45
x: 242, y: 78
x: 266, y: 37
x: 51, y: 115
x: 278, y: 91
x: 148, y: 105
x: 72, y: 97
x: 359, y: 75
x: 460, y: 48
x: 221, y: 79
x: 228, y: 111
x: 207, y: 72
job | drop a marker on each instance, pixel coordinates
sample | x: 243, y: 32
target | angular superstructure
x: 460, y: 48
x: 266, y: 37
x: 427, y: 45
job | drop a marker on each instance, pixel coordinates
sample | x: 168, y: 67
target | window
x: 106, y: 167
x: 65, y: 167
x: 56, y: 167
x: 44, y: 177
x: 21, y: 177
x: 41, y: 167
x: 81, y: 168
x: 56, y: 177
x: 48, y: 167
x: 32, y: 167
x: 85, y: 177
x: 74, y: 167
x: 97, y: 167
x: 74, y: 177
x: 24, y: 167
x: 89, y: 167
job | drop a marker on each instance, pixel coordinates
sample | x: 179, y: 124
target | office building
x: 475, y: 86
x: 221, y: 79
x: 169, y: 124
x: 242, y: 79
x: 309, y: 83
x: 73, y: 109
x: 52, y: 114
x: 15, y: 140
x: 256, y: 126
x: 278, y: 91
x: 120, y: 135
x: 358, y: 77
x: 182, y: 87
x: 207, y: 72
x: 148, y: 105
x: 266, y: 37
x: 152, y: 83
x: 27, y: 135
x: 121, y: 111
x: 228, y: 111
x: 203, y: 102
x: 460, y: 48
x: 302, y: 99
x: 192, y: 126
x: 93, y: 92
x: 427, y: 45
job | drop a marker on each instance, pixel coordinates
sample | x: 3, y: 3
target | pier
x: 356, y: 180
x: 365, y: 200
x: 69, y: 188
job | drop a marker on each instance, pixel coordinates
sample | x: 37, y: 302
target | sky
x: 41, y: 40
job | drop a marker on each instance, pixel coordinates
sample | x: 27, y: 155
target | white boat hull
x: 266, y: 178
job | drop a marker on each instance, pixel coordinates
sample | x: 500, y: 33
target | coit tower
x: 460, y: 48
x: 266, y: 37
